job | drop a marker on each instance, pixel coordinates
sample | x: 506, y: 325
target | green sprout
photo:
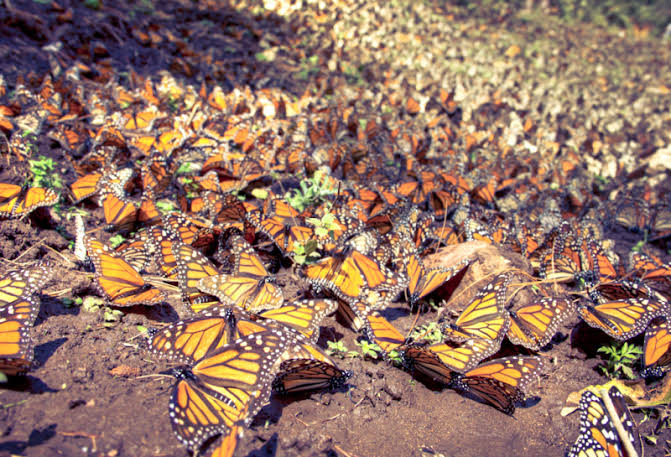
x: 338, y: 349
x: 185, y: 168
x: 116, y: 240
x: 324, y: 226
x: 305, y: 253
x: 311, y: 191
x: 395, y: 358
x: 430, y: 332
x: 620, y: 360
x: 43, y: 173
x: 368, y: 349
x: 165, y: 206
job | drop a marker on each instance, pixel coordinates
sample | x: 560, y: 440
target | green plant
x: 429, y: 332
x: 305, y: 253
x: 338, y: 349
x: 621, y: 358
x: 324, y: 226
x: 395, y: 358
x: 165, y: 206
x: 73, y: 211
x: 93, y: 4
x: 311, y: 191
x: 43, y: 173
x: 111, y: 317
x: 185, y: 168
x: 116, y: 240
x: 368, y: 349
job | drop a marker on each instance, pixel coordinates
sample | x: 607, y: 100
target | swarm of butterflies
x: 208, y: 197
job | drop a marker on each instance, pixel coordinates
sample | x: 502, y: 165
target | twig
x: 82, y: 434
x: 624, y: 438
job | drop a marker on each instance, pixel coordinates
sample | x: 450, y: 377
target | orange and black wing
x: 533, y: 325
x: 18, y: 310
x: 598, y: 436
x: 656, y: 348
x: 486, y: 316
x: 500, y: 382
x: 117, y: 280
x: 626, y: 309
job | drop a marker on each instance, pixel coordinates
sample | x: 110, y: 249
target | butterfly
x: 192, y: 266
x: 652, y: 271
x: 282, y: 224
x: 424, y: 281
x: 533, y: 325
x: 303, y: 366
x: 17, y: 201
x: 598, y: 436
x: 225, y: 388
x: 486, y: 316
x: 439, y: 361
x: 353, y: 276
x: 249, y: 286
x: 117, y: 280
x: 302, y: 315
x: 500, y: 382
x: 624, y: 309
x: 298, y: 375
x: 18, y: 310
x: 656, y: 348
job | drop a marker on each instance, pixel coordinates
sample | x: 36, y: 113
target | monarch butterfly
x: 626, y: 310
x: 439, y: 361
x: 652, y: 271
x: 563, y: 262
x: 656, y: 348
x: 423, y: 281
x: 192, y: 266
x: 500, y: 382
x: 189, y: 230
x: 137, y: 251
x: 18, y: 310
x: 117, y: 280
x: 380, y: 331
x: 16, y: 201
x: 154, y: 172
x: 225, y: 388
x: 162, y: 241
x: 100, y: 182
x: 232, y: 214
x: 533, y: 325
x: 352, y: 276
x: 282, y: 224
x: 598, y: 436
x: 118, y: 210
x: 302, y: 315
x: 486, y: 316
x: 227, y: 444
x: 249, y: 287
x: 299, y: 375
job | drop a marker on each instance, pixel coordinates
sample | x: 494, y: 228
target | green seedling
x: 43, y: 173
x: 165, y: 207
x: 621, y: 359
x: 429, y: 332
x: 306, y: 253
x: 324, y: 226
x: 369, y: 350
x: 338, y: 349
x: 310, y: 192
x: 116, y: 240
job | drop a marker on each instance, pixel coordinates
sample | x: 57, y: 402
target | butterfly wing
x: 533, y: 325
x: 485, y: 317
x: 117, y: 280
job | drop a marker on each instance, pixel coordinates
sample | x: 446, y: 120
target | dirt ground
x: 96, y: 390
